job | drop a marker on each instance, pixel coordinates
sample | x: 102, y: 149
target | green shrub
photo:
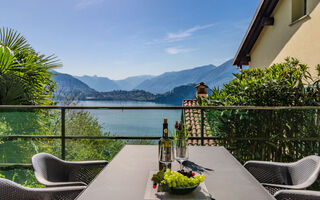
x: 271, y: 134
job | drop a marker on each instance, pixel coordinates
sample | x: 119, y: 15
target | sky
x: 121, y: 38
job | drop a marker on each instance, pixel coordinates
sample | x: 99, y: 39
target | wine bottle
x: 165, y: 144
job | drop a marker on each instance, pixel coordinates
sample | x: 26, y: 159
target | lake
x: 133, y: 122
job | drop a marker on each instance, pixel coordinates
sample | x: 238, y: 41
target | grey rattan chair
x: 297, y: 195
x: 52, y: 171
x: 281, y: 176
x: 13, y: 191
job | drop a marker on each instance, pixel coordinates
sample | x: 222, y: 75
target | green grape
x: 174, y: 184
x: 175, y: 179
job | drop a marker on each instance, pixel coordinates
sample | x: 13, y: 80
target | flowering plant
x: 181, y: 132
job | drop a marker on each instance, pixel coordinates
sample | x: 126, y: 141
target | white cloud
x: 181, y: 35
x: 177, y: 50
x: 82, y: 4
x: 188, y: 32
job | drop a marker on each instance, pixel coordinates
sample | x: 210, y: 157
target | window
x: 202, y: 91
x: 299, y: 9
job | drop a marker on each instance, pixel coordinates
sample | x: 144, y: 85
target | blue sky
x: 122, y: 38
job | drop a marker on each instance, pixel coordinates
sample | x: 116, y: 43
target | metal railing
x: 63, y: 137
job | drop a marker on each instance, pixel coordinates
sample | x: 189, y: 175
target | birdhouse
x: 202, y: 90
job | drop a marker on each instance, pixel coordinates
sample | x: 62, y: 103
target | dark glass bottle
x: 165, y: 142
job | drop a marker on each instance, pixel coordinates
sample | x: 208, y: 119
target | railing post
x: 202, y: 127
x: 63, y: 133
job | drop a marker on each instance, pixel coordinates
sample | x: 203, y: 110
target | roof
x: 201, y: 84
x: 192, y: 118
x: 262, y: 17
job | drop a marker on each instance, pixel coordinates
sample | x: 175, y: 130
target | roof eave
x: 265, y: 9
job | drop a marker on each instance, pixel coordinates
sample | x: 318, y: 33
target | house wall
x: 300, y: 39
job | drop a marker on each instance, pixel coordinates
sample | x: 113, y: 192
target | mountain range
x: 104, y: 84
x: 169, y: 86
x: 213, y: 76
x: 67, y: 84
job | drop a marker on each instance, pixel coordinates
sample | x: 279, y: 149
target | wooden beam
x: 267, y: 21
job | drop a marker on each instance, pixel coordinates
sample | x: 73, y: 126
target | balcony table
x: 125, y: 177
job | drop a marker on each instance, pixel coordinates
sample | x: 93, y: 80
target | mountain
x: 121, y: 95
x: 131, y: 82
x: 68, y: 85
x: 173, y: 86
x: 220, y: 75
x: 104, y: 84
x: 174, y: 96
x: 211, y: 75
x: 100, y: 84
x: 177, y: 95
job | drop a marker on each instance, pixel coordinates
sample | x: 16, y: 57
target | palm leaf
x: 13, y: 40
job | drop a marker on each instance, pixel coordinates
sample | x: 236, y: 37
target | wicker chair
x: 52, y: 171
x: 297, y: 195
x: 13, y: 191
x: 281, y: 176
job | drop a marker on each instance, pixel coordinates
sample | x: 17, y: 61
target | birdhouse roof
x: 201, y: 84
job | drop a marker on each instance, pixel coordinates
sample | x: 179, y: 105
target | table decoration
x: 179, y: 182
x: 155, y: 193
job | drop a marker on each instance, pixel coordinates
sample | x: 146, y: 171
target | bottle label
x: 165, y: 130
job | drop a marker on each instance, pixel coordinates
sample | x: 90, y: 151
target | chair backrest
x: 305, y: 170
x: 49, y: 167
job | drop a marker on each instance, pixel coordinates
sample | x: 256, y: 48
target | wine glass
x: 166, y: 155
x: 181, y: 151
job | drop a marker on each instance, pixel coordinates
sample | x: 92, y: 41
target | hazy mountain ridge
x: 132, y: 82
x: 67, y: 84
x: 211, y: 75
x: 71, y: 88
x: 122, y: 95
x: 167, y: 81
x: 177, y: 95
x: 169, y: 87
x: 100, y: 84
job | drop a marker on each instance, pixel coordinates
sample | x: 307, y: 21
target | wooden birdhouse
x: 202, y: 90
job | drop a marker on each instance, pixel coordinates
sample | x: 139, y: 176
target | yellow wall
x: 300, y: 40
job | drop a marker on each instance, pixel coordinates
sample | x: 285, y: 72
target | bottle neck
x: 165, y: 131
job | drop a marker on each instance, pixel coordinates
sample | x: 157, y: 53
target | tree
x: 24, y: 73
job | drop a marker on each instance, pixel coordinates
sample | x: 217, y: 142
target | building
x: 202, y: 90
x: 192, y: 118
x: 282, y: 28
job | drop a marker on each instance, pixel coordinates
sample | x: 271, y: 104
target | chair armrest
x: 265, y: 163
x: 297, y: 195
x: 274, y: 188
x: 64, y: 184
x: 284, y: 187
x: 59, y: 184
x: 57, y: 193
x: 269, y: 172
x: 98, y: 163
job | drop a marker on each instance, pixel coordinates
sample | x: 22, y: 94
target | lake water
x: 133, y: 122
